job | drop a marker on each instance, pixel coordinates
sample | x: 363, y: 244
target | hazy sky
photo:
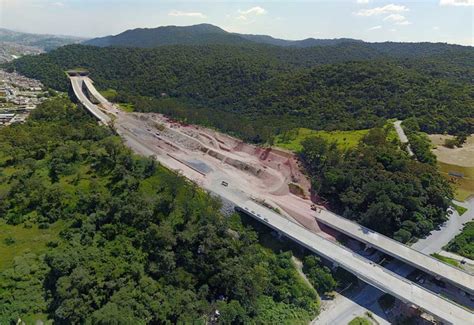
x: 449, y: 21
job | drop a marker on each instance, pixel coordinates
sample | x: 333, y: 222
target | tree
x: 378, y: 185
x: 402, y: 235
x: 231, y: 313
x: 319, y: 276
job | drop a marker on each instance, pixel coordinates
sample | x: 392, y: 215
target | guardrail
x: 410, y: 250
x: 92, y: 108
x: 381, y: 286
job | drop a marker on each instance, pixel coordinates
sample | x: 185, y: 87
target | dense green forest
x: 134, y: 242
x: 257, y: 91
x: 419, y: 142
x: 207, y: 34
x: 378, y: 185
x: 169, y: 35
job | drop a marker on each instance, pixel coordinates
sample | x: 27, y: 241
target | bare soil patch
x: 457, y: 156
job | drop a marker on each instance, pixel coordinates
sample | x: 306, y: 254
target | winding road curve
x: 402, y: 136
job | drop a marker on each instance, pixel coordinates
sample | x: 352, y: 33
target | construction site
x: 272, y: 177
x: 213, y: 160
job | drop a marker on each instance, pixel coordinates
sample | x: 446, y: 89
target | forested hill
x: 169, y: 35
x: 377, y: 185
x: 256, y: 91
x: 202, y: 34
x: 308, y: 42
x: 207, y: 34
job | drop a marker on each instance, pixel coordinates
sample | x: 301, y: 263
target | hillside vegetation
x: 378, y: 185
x: 292, y: 139
x: 463, y: 244
x: 257, y: 91
x: 207, y: 34
x: 169, y: 35
x: 116, y: 238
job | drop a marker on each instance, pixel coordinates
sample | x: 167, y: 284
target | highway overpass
x: 366, y: 270
x: 94, y: 93
x: 78, y: 85
x: 363, y: 268
x: 402, y: 252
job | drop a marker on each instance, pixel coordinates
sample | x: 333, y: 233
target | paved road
x: 93, y: 91
x: 456, y: 257
x: 369, y: 272
x: 439, y: 238
x: 344, y: 309
x: 365, y: 300
x: 400, y: 251
x: 77, y: 83
x: 402, y: 136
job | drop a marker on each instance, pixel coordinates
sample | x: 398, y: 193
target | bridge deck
x: 77, y: 83
x: 391, y: 247
x: 364, y: 269
x: 94, y: 92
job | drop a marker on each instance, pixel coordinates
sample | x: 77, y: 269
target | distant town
x: 19, y: 95
x: 10, y: 51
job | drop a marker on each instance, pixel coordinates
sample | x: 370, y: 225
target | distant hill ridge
x: 43, y: 42
x: 201, y: 34
x: 308, y: 42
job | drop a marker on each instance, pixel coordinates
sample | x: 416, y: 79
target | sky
x: 450, y: 21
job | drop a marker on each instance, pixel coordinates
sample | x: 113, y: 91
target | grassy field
x: 291, y: 140
x: 360, y: 321
x: 126, y: 107
x: 461, y: 210
x: 457, y: 160
x: 464, y: 186
x: 111, y: 95
x: 448, y: 260
x: 16, y: 240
